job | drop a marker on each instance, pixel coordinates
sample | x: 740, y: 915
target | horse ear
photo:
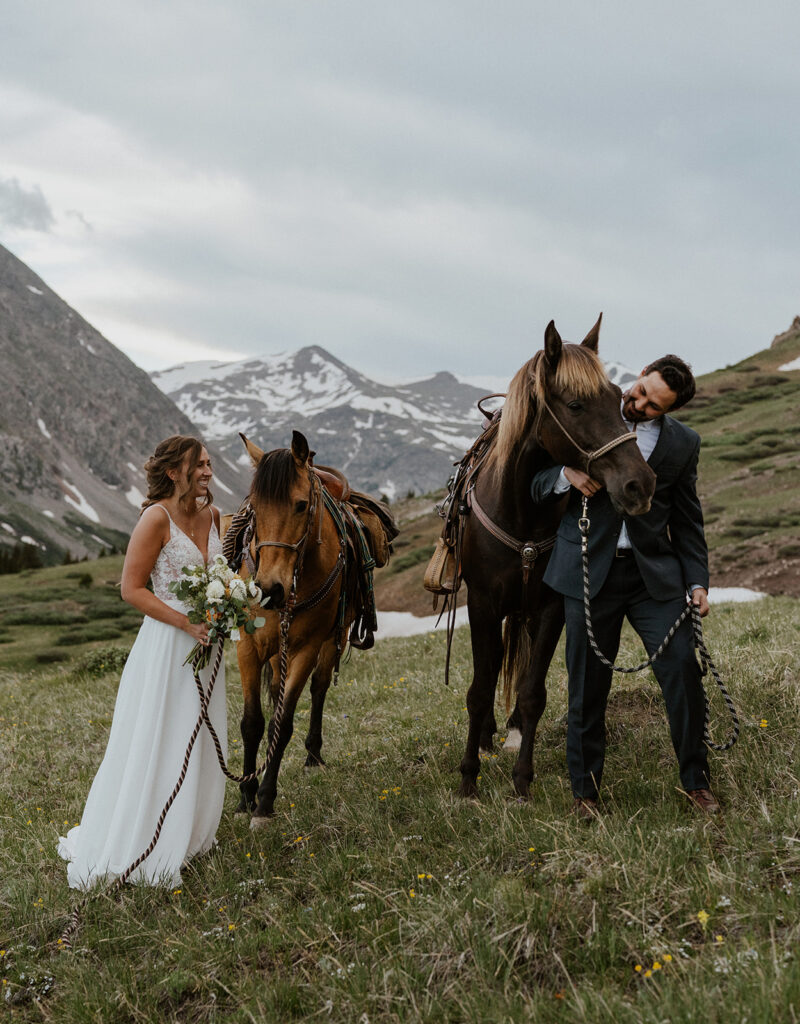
x: 552, y: 345
x: 255, y: 453
x: 593, y: 337
x: 300, y: 449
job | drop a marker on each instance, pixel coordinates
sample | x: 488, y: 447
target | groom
x: 640, y: 568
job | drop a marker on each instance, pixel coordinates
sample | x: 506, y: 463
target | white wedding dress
x: 155, y: 712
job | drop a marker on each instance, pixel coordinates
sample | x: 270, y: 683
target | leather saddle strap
x: 535, y: 547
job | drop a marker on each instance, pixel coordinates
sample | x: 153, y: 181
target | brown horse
x: 301, y: 567
x: 560, y: 408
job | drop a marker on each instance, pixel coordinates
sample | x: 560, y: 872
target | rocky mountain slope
x: 389, y: 440
x: 78, y: 420
x: 394, y: 440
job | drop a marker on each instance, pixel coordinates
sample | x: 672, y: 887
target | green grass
x: 376, y: 895
x: 46, y: 610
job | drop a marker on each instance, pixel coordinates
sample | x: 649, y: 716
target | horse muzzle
x: 273, y: 597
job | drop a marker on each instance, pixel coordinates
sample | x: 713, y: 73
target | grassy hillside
x: 376, y: 895
x: 749, y: 418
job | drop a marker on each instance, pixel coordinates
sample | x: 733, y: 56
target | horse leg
x: 514, y: 729
x: 297, y: 674
x: 487, y: 657
x: 320, y: 682
x: 252, y: 725
x: 532, y: 693
x: 488, y: 729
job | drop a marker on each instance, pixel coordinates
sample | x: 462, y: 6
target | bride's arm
x: 149, y: 536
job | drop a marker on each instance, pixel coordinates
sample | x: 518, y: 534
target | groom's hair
x: 171, y: 454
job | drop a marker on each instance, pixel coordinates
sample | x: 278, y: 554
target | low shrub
x: 50, y: 655
x: 30, y: 615
x: 787, y: 551
x: 102, y: 660
x: 89, y: 634
x: 105, y: 611
x: 412, y: 558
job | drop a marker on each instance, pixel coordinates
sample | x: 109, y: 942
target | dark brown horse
x: 301, y: 569
x: 559, y: 408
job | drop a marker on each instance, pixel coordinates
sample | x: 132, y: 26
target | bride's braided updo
x: 170, y: 455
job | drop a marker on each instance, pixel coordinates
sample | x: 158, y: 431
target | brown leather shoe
x: 585, y: 807
x: 704, y: 800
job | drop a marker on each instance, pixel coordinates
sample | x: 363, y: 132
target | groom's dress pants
x: 676, y: 669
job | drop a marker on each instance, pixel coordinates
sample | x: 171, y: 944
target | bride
x: 157, y: 703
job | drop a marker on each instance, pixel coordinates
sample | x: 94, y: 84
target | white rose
x: 239, y: 589
x: 220, y: 572
x: 215, y: 591
x: 254, y: 589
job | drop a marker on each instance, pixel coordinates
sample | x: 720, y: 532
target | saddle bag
x: 442, y: 575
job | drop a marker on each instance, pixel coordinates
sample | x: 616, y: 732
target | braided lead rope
x: 706, y: 664
x: 65, y: 942
x: 699, y: 643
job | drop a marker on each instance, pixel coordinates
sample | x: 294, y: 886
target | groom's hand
x: 582, y: 481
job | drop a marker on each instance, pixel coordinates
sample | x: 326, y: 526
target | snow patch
x: 735, y: 595
x: 134, y: 496
x: 85, y: 344
x: 134, y: 469
x: 34, y: 543
x: 9, y: 528
x: 36, y: 291
x: 81, y: 504
x: 793, y: 365
x: 101, y: 541
x: 405, y: 624
x: 48, y: 513
x: 218, y: 483
x: 43, y: 428
x: 389, y: 489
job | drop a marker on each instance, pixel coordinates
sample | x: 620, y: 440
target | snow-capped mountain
x: 77, y: 422
x: 388, y: 439
x: 620, y: 375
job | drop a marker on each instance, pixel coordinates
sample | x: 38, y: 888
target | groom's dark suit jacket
x: 668, y: 541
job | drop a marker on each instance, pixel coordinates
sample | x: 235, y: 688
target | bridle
x: 299, y: 546
x: 589, y: 456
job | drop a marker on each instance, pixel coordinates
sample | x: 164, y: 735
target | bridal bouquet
x: 221, y: 598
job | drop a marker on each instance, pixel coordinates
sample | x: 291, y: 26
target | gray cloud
x: 24, y: 208
x: 426, y: 185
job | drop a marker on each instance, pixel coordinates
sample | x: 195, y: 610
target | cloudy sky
x: 415, y: 186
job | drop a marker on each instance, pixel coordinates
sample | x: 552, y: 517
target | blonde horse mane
x: 579, y: 373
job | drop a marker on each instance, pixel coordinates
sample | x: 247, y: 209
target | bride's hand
x: 197, y: 631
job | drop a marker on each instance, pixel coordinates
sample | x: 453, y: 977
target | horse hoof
x: 513, y: 740
x: 258, y: 821
x: 468, y: 791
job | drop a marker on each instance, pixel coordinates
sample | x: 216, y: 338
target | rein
x: 589, y: 456
x: 690, y: 610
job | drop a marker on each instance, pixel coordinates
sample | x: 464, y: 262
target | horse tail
x: 517, y: 653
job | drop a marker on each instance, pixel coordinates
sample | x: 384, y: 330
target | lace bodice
x: 180, y: 550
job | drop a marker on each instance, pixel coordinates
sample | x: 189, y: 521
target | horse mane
x: 579, y: 372
x: 274, y: 476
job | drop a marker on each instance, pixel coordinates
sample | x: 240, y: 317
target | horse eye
x: 574, y: 406
x: 300, y: 506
